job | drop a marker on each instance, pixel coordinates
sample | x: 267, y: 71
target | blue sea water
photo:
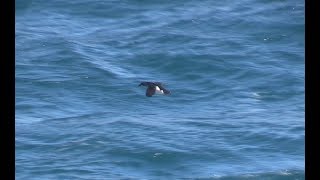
x: 235, y: 70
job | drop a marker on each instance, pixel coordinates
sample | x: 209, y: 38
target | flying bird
x: 154, y: 87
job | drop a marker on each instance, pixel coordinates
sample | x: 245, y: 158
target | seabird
x: 154, y: 87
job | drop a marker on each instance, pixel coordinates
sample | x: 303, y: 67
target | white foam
x: 113, y: 69
x: 96, y: 57
x: 157, y: 154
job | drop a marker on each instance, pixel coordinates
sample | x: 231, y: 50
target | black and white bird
x: 154, y: 87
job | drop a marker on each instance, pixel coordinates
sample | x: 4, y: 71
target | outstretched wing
x: 164, y: 90
x: 150, y: 91
x: 157, y: 83
x: 145, y: 83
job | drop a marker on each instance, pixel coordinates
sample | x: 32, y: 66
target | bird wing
x: 164, y: 90
x: 150, y: 91
x: 144, y: 83
x: 157, y: 83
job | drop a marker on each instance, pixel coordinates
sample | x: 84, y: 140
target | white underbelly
x: 158, y: 90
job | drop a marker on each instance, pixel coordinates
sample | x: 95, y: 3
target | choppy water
x: 235, y: 70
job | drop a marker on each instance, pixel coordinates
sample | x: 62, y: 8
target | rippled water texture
x: 235, y: 70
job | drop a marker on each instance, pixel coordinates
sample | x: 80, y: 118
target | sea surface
x: 235, y: 70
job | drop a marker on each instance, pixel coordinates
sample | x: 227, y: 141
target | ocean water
x: 235, y: 70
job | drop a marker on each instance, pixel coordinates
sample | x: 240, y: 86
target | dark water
x: 235, y: 70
